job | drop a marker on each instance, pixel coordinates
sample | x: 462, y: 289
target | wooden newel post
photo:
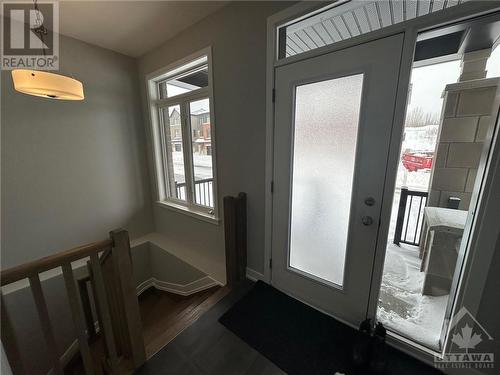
x: 241, y: 235
x: 230, y: 239
x: 235, y: 231
x: 122, y: 260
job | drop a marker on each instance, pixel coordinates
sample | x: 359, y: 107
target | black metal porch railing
x: 203, y: 191
x: 410, y: 217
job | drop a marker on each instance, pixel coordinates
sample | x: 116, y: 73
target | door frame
x: 470, y: 289
x: 345, y: 298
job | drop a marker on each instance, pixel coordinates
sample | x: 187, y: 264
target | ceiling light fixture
x: 45, y: 84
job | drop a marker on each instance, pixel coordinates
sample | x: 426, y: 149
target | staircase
x: 103, y: 306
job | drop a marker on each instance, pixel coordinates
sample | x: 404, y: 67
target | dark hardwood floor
x: 165, y: 315
x: 207, y: 347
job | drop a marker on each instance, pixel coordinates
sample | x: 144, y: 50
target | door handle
x: 367, y: 220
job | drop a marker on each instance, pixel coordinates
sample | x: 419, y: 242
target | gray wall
x: 25, y: 322
x: 152, y: 261
x: 142, y: 262
x: 72, y: 171
x: 169, y: 268
x: 237, y: 34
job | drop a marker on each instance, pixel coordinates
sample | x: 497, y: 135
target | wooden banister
x: 124, y: 268
x: 235, y: 231
x: 114, y: 296
x: 241, y: 234
x: 230, y: 240
x: 122, y: 297
x: 28, y: 269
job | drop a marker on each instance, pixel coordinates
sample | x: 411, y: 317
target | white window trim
x: 154, y: 104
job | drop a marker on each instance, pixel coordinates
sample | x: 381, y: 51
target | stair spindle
x: 102, y: 301
x: 43, y: 315
x: 10, y: 343
x: 76, y: 311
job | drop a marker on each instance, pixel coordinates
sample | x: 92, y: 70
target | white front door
x: 333, y: 120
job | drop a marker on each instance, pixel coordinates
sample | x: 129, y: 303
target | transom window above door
x: 345, y: 19
x: 181, y: 102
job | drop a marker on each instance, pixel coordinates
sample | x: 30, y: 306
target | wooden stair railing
x: 121, y: 293
x: 115, y: 300
x: 235, y: 231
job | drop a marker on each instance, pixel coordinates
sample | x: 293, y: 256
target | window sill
x: 212, y: 219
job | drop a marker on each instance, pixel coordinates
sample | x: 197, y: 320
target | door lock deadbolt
x: 370, y: 201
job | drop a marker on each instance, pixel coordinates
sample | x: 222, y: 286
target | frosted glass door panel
x: 324, y: 150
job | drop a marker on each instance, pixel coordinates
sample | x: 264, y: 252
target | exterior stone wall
x: 465, y: 121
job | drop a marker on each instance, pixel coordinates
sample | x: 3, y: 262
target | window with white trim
x: 181, y: 102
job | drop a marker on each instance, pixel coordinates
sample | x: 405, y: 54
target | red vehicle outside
x: 416, y: 160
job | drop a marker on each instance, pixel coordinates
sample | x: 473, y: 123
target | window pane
x: 326, y: 127
x: 202, y: 152
x: 185, y: 82
x: 176, y: 180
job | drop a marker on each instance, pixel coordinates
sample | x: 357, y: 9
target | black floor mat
x: 302, y: 340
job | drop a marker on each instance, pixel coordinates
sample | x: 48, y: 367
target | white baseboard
x: 146, y: 284
x: 181, y: 289
x: 254, y: 275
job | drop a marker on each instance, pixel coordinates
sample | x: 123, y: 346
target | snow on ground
x: 402, y: 308
x: 421, y: 138
x: 202, y: 166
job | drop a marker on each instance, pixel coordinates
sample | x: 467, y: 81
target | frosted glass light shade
x: 47, y: 85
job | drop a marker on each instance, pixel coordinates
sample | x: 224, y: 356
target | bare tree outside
x: 418, y: 117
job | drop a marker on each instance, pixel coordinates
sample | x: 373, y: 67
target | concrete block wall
x: 464, y: 125
x: 473, y: 64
